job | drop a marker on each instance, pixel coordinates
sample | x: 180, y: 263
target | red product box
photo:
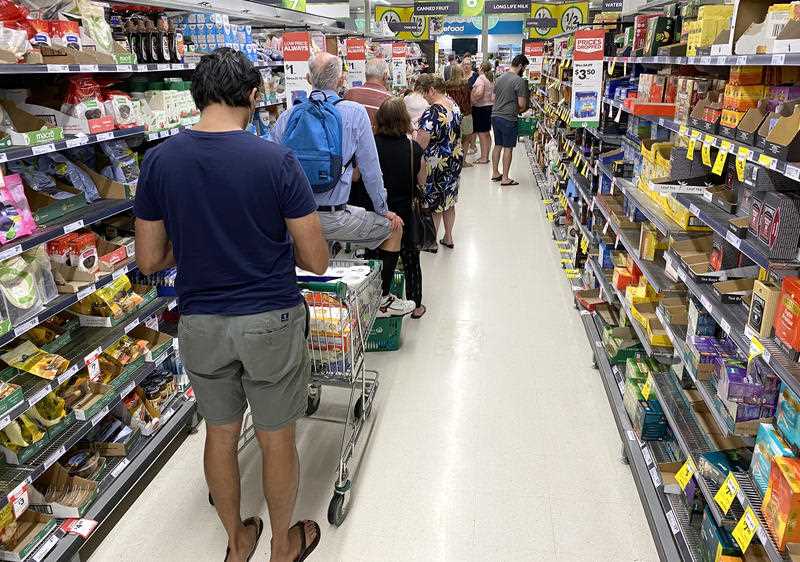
x: 787, y: 315
x: 640, y: 32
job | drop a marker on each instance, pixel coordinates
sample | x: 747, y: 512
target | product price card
x: 745, y: 529
x: 740, y: 166
x: 356, y: 53
x: 727, y: 493
x: 690, y: 149
x: 296, y: 53
x: 587, y: 77
x: 767, y: 161
x: 705, y: 153
x: 647, y: 388
x: 685, y: 473
x: 81, y: 527
x: 399, y: 65
x: 719, y: 162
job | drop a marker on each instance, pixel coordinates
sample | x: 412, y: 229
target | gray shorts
x: 261, y: 359
x: 359, y: 227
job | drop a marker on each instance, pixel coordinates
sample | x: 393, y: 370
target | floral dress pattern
x: 444, y: 156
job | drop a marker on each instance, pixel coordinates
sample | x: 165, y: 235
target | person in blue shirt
x: 235, y: 214
x: 381, y: 229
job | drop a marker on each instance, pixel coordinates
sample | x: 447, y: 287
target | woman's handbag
x: 421, y: 231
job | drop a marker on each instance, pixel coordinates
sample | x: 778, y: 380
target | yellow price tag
x: 762, y: 274
x: 566, y: 260
x: 584, y: 244
x: 725, y: 145
x: 727, y: 493
x: 611, y: 67
x: 685, y: 473
x: 585, y: 170
x: 647, y: 388
x: 719, y: 162
x: 550, y: 216
x: 709, y: 139
x: 576, y: 159
x: 547, y: 201
x: 767, y: 161
x: 6, y: 515
x: 690, y: 149
x: 705, y: 152
x: 684, y: 130
x: 756, y: 348
x: 744, y: 152
x: 745, y: 529
x: 740, y: 165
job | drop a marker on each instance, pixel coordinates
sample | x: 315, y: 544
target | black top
x: 395, y: 160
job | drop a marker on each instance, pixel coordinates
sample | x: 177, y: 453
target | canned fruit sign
x: 296, y: 53
x: 587, y: 78
x: 356, y: 53
x: 399, y: 65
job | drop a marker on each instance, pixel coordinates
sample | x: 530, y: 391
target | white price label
x: 705, y: 60
x: 119, y: 272
x: 77, y: 141
x: 762, y: 534
x: 11, y: 252
x: 704, y: 300
x: 152, y: 136
x: 94, y: 370
x: 43, y: 148
x: 172, y: 304
x: 708, y: 196
x: 73, y: 226
x: 132, y: 325
x: 86, y: 291
x: 45, y: 548
x: 778, y: 59
x: 105, y: 136
x: 655, y: 476
x: 621, y: 386
x: 120, y: 467
x: 52, y: 459
x: 88, y: 67
x: 694, y: 210
x: 733, y: 240
x: 152, y: 323
x: 124, y: 67
x: 92, y: 357
x: 167, y: 414
x: 68, y: 374
x: 176, y: 344
x: 725, y: 326
x: 720, y: 60
x: 681, y: 273
x: 99, y: 416
x: 57, y: 68
x: 741, y: 60
x: 128, y: 389
x: 163, y: 134
x: 39, y: 395
x: 19, y: 500
x: 673, y: 523
x: 5, y: 421
x: 163, y: 67
x: 631, y: 435
x: 648, y: 458
x: 177, y: 66
x: 793, y: 172
x: 175, y: 131
x: 22, y: 328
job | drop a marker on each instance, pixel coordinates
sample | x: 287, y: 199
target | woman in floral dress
x: 440, y: 137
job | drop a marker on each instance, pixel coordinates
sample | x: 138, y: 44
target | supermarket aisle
x: 494, y: 440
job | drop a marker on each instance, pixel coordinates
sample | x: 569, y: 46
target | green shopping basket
x: 385, y: 334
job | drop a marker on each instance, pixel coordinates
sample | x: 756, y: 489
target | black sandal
x: 446, y: 245
x: 305, y: 550
x: 259, y: 528
x: 417, y: 317
x: 510, y: 183
x: 497, y: 178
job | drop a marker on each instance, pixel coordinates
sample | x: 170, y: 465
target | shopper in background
x: 460, y: 92
x: 482, y: 102
x: 470, y: 140
x: 511, y: 99
x: 375, y: 90
x: 439, y: 136
x: 448, y: 69
x: 345, y: 223
x: 416, y: 105
x: 235, y: 213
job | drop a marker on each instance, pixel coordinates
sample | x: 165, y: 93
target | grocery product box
x: 787, y: 317
x: 769, y: 444
x: 781, y: 506
x: 38, y: 526
x: 29, y: 128
x: 763, y: 303
x: 75, y: 494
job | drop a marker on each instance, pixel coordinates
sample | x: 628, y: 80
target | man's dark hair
x: 225, y: 76
x: 520, y: 60
x: 451, y: 57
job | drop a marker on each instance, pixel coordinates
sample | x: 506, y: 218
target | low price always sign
x: 587, y: 78
x: 356, y: 61
x: 399, y: 65
x: 296, y: 53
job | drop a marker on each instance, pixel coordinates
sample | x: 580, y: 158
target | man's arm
x: 280, y: 127
x: 310, y: 247
x: 153, y: 248
x: 368, y: 163
x: 522, y: 95
x: 522, y: 104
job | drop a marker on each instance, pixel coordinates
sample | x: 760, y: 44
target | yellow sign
x: 567, y: 18
x: 6, y: 515
x: 705, y: 152
x: 647, y: 388
x: 740, y: 164
x: 611, y: 67
x: 767, y: 161
x: 746, y: 528
x: 690, y: 150
x: 727, y: 493
x: 403, y: 14
x: 719, y: 162
x: 685, y: 473
x: 584, y: 244
x: 756, y: 348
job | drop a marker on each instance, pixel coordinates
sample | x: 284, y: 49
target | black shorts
x: 505, y: 132
x: 482, y: 119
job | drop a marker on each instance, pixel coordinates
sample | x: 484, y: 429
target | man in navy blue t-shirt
x: 235, y: 213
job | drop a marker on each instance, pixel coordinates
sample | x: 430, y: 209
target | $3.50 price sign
x: 587, y: 78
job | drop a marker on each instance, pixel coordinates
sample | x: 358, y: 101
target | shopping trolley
x: 341, y: 314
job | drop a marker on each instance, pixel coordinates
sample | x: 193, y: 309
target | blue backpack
x: 314, y: 133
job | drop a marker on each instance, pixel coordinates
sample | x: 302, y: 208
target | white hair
x: 377, y: 68
x: 324, y: 72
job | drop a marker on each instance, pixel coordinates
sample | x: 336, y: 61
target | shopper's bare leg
x: 507, y: 154
x: 221, y: 463
x: 393, y: 243
x: 437, y: 220
x: 496, y: 160
x: 449, y: 217
x: 486, y: 143
x: 281, y: 473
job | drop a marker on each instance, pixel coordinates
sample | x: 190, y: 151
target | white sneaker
x: 394, y: 306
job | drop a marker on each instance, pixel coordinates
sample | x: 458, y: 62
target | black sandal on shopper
x: 497, y: 178
x: 510, y: 183
x: 259, y: 528
x: 416, y: 316
x: 446, y: 245
x: 306, y: 550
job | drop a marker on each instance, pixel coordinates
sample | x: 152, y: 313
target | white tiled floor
x: 494, y: 440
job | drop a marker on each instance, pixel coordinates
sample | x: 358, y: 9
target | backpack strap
x: 353, y: 157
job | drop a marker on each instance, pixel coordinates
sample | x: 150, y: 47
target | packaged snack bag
x: 16, y: 219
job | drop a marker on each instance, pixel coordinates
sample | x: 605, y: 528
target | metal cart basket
x: 341, y: 314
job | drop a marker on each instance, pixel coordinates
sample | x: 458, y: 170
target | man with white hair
x: 382, y: 229
x: 375, y: 90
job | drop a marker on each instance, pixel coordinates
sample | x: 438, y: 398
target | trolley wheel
x: 314, y: 398
x: 210, y: 499
x: 337, y: 509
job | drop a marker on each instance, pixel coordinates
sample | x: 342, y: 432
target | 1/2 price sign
x: 587, y: 78
x: 356, y: 48
x: 296, y: 53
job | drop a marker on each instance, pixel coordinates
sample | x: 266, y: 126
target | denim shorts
x: 505, y: 132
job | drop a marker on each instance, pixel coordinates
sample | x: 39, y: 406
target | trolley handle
x: 339, y: 288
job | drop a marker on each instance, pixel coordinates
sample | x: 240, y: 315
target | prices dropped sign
x: 356, y: 61
x: 587, y: 78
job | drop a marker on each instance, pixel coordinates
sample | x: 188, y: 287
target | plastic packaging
x: 20, y: 289
x: 84, y: 98
x: 42, y: 272
x: 15, y: 216
x: 96, y: 26
x: 14, y: 40
x: 65, y: 33
x: 124, y: 167
x: 57, y: 165
x: 38, y: 181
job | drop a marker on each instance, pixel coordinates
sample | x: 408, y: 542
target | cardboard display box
x: 57, y: 477
x: 735, y: 291
x: 751, y: 122
x: 783, y: 142
x: 30, y: 129
x: 46, y: 209
x: 39, y: 526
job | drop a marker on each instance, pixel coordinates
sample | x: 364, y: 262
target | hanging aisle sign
x: 534, y: 50
x: 296, y: 53
x: 587, y: 78
x: 436, y: 7
x: 399, y: 65
x: 356, y: 49
x: 508, y: 6
x: 547, y: 20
